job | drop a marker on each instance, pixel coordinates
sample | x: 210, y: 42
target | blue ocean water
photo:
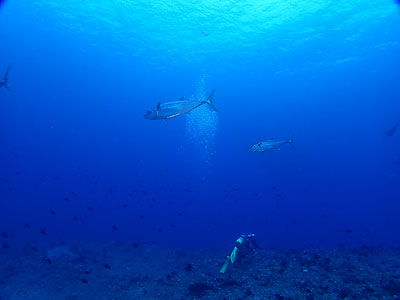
x: 79, y: 162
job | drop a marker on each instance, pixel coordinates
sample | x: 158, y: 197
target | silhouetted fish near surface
x: 393, y: 129
x: 172, y: 109
x: 4, y: 81
x: 270, y: 145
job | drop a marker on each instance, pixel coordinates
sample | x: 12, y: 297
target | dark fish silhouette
x: 4, y: 81
x: 393, y: 129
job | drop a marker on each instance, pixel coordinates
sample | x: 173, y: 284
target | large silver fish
x: 270, y: 144
x: 172, y: 109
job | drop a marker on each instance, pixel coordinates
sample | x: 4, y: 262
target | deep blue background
x: 83, y: 75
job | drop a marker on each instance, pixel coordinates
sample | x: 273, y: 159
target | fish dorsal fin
x: 158, y: 105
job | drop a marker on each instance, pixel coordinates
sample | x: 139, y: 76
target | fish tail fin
x: 209, y: 100
x: 7, y: 86
x: 5, y: 78
x: 291, y: 143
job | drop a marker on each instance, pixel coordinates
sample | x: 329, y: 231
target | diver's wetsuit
x: 245, y: 244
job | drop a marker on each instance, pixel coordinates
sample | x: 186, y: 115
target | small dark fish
x: 114, y: 227
x: 83, y: 280
x: 42, y: 231
x: 5, y: 246
x: 75, y: 219
x: 188, y: 267
x: 110, y: 190
x: 4, y: 235
x: 73, y: 194
x: 180, y: 214
x: 90, y: 208
x: 392, y: 130
x: 278, y: 195
x: 135, y: 245
x: 66, y: 199
x: 52, y: 212
x: 34, y: 249
x: 274, y: 187
x: 142, y: 217
x: 26, y: 225
x: 349, y: 231
x: 125, y: 205
x: 107, y: 266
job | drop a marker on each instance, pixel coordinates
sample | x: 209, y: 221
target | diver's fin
x: 223, y: 269
x: 158, y: 105
x: 209, y: 101
x: 291, y: 143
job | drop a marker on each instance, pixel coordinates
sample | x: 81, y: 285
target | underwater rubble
x: 138, y: 271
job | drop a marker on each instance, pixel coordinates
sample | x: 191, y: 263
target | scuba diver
x: 4, y: 81
x: 245, y: 244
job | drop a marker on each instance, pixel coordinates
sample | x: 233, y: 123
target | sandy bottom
x: 131, y: 271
